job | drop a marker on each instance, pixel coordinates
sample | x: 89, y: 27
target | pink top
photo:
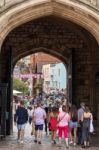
x: 63, y: 119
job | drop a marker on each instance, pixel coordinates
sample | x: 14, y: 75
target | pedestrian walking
x: 79, y: 130
x: 86, y: 118
x: 63, y: 125
x: 46, y: 120
x: 73, y: 125
x: 21, y: 119
x: 33, y: 123
x: 39, y: 116
x: 30, y: 114
x: 53, y: 124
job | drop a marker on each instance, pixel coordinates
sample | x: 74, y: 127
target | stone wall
x: 72, y: 10
x: 82, y: 74
x: 4, y: 3
x: 61, y: 38
x: 89, y: 2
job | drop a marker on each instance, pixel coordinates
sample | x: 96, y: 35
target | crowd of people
x: 65, y: 121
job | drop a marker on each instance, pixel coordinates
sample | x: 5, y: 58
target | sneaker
x: 74, y: 144
x: 83, y: 146
x: 71, y: 142
x: 53, y: 142
x: 35, y: 141
x: 39, y: 142
x: 67, y: 147
x: 21, y: 142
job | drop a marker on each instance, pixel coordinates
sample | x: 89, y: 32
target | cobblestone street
x: 11, y: 143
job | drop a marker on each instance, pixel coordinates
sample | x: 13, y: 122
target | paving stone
x: 11, y: 142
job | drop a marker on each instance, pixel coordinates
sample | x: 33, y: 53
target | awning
x: 16, y: 92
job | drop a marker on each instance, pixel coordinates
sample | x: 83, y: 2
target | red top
x: 53, y: 123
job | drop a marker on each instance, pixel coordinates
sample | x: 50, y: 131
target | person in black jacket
x: 46, y: 120
x: 21, y: 119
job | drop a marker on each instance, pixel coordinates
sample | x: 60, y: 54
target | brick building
x: 38, y: 59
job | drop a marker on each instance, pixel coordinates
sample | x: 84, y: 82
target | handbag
x: 91, y: 128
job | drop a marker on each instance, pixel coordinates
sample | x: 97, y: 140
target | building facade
x: 58, y: 76
x: 55, y: 77
x: 46, y: 70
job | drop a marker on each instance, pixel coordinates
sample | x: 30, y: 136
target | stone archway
x: 68, y: 34
x: 43, y: 50
x: 84, y: 17
x: 57, y: 34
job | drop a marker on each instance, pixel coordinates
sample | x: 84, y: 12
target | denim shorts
x: 21, y: 126
x: 73, y: 124
x: 39, y: 127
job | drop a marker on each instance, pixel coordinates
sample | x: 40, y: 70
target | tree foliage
x: 20, y: 86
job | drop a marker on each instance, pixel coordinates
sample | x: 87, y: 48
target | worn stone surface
x: 11, y: 143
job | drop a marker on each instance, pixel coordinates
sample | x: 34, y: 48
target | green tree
x: 20, y: 86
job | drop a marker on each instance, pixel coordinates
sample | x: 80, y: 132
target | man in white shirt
x: 81, y: 111
x: 39, y: 116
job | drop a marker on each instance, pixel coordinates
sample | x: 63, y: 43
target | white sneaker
x: 52, y: 142
x: 74, y: 144
x: 21, y: 142
x: 71, y: 142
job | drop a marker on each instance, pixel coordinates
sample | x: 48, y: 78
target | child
x: 53, y: 124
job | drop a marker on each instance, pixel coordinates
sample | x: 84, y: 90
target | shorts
x: 39, y: 127
x: 73, y: 124
x: 21, y: 126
